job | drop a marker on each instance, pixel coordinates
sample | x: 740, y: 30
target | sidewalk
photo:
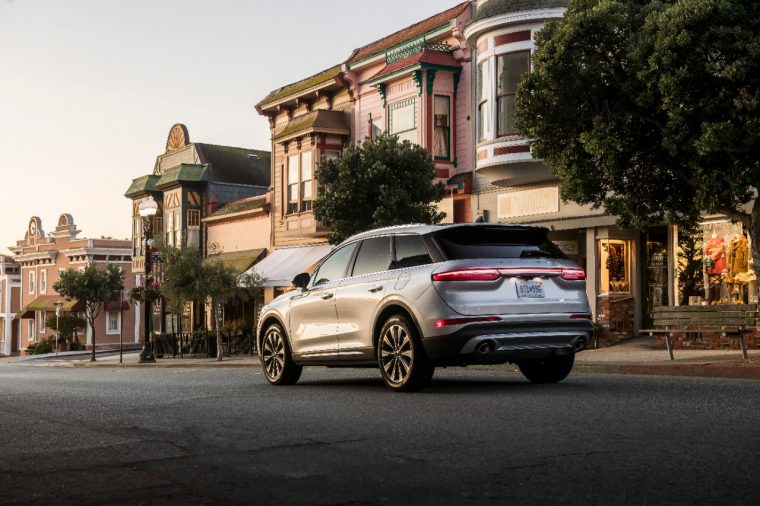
x: 634, y: 356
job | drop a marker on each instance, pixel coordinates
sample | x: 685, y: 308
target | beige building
x: 41, y: 258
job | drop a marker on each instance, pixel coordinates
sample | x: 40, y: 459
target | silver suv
x: 413, y: 297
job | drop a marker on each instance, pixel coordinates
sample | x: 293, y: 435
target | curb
x: 703, y: 370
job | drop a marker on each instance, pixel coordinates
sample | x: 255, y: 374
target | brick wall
x: 615, y: 315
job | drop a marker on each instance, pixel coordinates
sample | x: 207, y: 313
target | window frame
x: 483, y: 99
x: 349, y: 266
x: 31, y: 328
x: 43, y: 281
x: 400, y: 104
x: 359, y: 251
x: 110, y: 331
x: 40, y: 316
x: 499, y: 95
x: 32, y: 278
x: 447, y: 157
x: 299, y: 204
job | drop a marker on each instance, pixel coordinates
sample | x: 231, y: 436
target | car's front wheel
x: 552, y: 369
x: 279, y: 367
x: 402, y: 360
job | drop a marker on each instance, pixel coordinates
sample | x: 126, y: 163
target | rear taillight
x: 468, y: 275
x: 582, y: 316
x: 463, y: 321
x: 573, y: 274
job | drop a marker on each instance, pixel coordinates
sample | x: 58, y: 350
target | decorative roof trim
x: 381, y: 55
x: 476, y: 29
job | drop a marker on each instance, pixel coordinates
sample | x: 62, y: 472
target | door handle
x: 375, y: 289
x: 328, y: 296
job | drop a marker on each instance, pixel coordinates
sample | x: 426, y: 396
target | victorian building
x: 39, y: 260
x: 414, y: 83
x: 189, y: 181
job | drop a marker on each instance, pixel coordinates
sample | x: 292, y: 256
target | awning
x: 47, y: 303
x: 241, y: 261
x: 282, y: 265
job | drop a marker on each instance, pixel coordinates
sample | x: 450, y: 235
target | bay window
x: 300, y: 182
x: 292, y: 184
x: 510, y: 68
x: 484, y: 90
x: 306, y: 181
x: 442, y: 130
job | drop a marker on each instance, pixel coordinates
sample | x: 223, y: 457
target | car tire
x: 276, y: 360
x: 552, y: 369
x: 401, y: 357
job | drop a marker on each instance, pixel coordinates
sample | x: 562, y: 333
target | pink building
x: 41, y: 258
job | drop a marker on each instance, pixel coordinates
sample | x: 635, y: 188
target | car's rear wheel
x: 552, y: 369
x: 401, y: 357
x: 278, y: 365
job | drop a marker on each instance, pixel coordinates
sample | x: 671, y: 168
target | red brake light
x: 462, y: 321
x: 468, y: 275
x: 583, y: 316
x: 573, y: 274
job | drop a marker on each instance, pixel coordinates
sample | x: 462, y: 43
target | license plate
x: 530, y: 289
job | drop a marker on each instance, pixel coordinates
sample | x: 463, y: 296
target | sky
x: 90, y: 88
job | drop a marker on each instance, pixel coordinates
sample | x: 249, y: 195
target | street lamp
x: 57, y: 305
x: 147, y: 210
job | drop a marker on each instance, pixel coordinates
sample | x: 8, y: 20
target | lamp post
x: 147, y: 210
x: 57, y: 305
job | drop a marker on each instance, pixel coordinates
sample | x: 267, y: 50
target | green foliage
x: 44, y: 346
x: 382, y: 182
x: 649, y: 109
x: 183, y: 277
x: 92, y: 287
x: 69, y: 323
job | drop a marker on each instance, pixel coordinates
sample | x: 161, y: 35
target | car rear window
x: 461, y: 243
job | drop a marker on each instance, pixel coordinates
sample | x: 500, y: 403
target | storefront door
x: 655, y: 273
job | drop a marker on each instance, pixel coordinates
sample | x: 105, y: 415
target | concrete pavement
x: 634, y: 356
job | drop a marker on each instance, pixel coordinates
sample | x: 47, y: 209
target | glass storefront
x: 614, y: 267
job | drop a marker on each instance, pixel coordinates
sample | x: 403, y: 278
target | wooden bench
x: 730, y: 321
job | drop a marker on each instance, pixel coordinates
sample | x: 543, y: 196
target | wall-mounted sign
x: 528, y: 202
x: 567, y: 247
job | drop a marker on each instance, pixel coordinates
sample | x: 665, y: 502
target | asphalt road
x: 223, y: 436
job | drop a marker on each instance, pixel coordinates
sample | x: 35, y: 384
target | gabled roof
x: 235, y: 165
x: 182, y: 173
x: 142, y: 185
x: 430, y: 59
x: 241, y: 261
x: 410, y: 32
x: 239, y: 206
x: 326, y: 76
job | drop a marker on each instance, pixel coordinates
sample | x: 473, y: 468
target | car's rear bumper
x: 489, y: 343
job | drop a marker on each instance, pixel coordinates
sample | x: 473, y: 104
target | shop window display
x: 615, y: 267
x: 727, y: 274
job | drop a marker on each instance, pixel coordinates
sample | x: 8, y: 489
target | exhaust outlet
x: 485, y: 347
x: 580, y: 344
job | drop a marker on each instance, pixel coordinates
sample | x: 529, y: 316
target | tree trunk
x: 754, y: 235
x: 218, y: 334
x: 92, y: 326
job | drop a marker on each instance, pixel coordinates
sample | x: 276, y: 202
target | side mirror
x: 301, y: 280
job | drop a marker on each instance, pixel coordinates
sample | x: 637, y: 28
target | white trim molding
x: 477, y: 28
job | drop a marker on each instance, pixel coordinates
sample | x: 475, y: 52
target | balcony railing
x: 417, y: 47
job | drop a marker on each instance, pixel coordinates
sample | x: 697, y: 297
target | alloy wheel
x: 273, y: 354
x: 396, y: 354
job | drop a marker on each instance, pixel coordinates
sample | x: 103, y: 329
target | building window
x: 484, y: 90
x: 193, y: 227
x: 375, y: 127
x: 30, y: 329
x: 113, y: 322
x: 292, y: 183
x: 177, y: 228
x: 403, y: 119
x: 442, y: 129
x: 40, y: 317
x: 510, y: 68
x: 169, y: 234
x: 32, y: 282
x: 158, y: 228
x: 306, y: 181
x: 43, y: 281
x: 137, y: 236
x: 614, y: 267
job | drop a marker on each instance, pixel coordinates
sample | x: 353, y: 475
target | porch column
x: 591, y: 271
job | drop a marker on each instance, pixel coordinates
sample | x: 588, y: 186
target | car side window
x: 410, y: 252
x: 335, y: 266
x: 374, y: 256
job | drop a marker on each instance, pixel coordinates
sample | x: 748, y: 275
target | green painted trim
x: 430, y: 79
x: 436, y: 31
x: 417, y: 76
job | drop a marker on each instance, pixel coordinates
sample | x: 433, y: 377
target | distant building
x: 191, y: 180
x: 10, y: 290
x: 41, y: 258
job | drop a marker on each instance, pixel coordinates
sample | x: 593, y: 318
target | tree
x: 67, y: 324
x: 188, y: 278
x: 93, y: 287
x: 379, y: 183
x: 650, y: 109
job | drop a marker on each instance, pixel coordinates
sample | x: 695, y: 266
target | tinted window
x: 410, y: 252
x: 496, y: 242
x: 374, y: 256
x: 335, y: 266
